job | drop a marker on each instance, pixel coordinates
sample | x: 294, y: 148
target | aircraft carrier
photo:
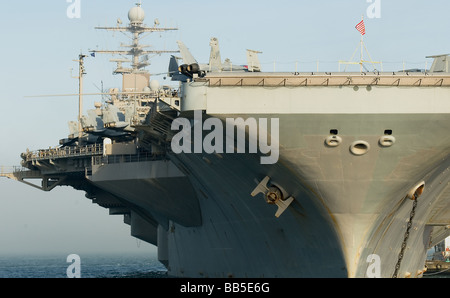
x: 355, y: 184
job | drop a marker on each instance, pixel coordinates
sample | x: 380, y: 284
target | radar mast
x: 137, y: 51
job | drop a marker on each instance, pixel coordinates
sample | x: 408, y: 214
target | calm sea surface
x: 91, y: 266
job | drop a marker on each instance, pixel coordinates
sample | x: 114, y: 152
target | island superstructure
x: 362, y: 173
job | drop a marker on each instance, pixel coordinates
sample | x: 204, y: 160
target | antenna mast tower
x: 136, y: 15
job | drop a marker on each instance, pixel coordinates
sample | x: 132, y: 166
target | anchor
x: 273, y: 195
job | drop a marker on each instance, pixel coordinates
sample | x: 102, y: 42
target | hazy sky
x: 39, y: 42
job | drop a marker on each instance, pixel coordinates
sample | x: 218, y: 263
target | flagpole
x: 81, y: 70
x: 362, y: 30
x: 362, y: 46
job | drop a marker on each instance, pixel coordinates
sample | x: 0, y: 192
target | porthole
x: 386, y: 141
x: 333, y: 141
x: 359, y: 148
x: 416, y: 191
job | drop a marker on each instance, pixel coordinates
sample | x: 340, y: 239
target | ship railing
x: 129, y: 158
x: 5, y: 171
x: 64, y: 152
x: 23, y: 172
x: 416, y: 79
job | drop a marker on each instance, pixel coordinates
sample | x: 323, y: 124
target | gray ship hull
x: 346, y: 207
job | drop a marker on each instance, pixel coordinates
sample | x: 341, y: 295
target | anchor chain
x: 405, y: 238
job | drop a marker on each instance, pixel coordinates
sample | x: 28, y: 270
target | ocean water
x: 96, y: 266
x: 91, y: 266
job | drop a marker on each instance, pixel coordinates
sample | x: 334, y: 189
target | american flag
x: 361, y: 28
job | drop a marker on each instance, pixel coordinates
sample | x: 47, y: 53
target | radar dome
x: 154, y: 85
x: 136, y: 15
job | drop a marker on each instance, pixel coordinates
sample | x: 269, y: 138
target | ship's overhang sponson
x: 158, y: 186
x: 318, y: 93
